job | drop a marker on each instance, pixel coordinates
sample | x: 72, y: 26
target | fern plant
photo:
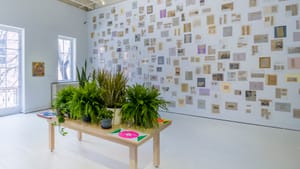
x: 87, y: 102
x: 62, y: 102
x: 142, y: 106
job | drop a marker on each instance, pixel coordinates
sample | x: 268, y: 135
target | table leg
x: 51, y: 137
x: 133, y: 157
x: 79, y: 135
x: 156, y: 149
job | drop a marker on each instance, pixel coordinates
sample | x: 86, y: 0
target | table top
x: 122, y: 134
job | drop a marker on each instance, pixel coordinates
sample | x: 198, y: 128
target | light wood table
x: 106, y: 134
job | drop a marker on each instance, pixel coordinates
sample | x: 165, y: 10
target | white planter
x: 117, y: 116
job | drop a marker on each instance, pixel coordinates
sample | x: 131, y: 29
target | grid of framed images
x: 233, y: 60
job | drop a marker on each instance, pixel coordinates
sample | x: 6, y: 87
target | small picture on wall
x: 264, y: 62
x: 226, y: 87
x: 252, y: 3
x: 261, y: 38
x: 38, y: 68
x: 171, y: 13
x: 254, y: 49
x: 242, y: 75
x: 204, y: 92
x: 188, y: 75
x: 245, y: 30
x: 202, y: 2
x: 215, y: 108
x: 201, y: 104
x: 141, y: 9
x: 218, y: 76
x: 277, y: 45
x: 200, y: 82
x: 224, y: 55
x: 189, y: 100
x: 160, y: 60
x: 159, y: 69
x: 149, y: 9
x: 202, y: 49
x: 294, y: 63
x: 280, y: 31
x: 237, y: 92
x: 265, y: 102
x: 227, y: 6
x: 212, y: 29
x: 187, y: 27
x: 180, y: 52
x: 250, y: 95
x: 231, y: 76
x: 177, y: 71
x: 231, y: 106
x: 269, y: 20
x: 282, y: 107
x: 265, y: 113
x: 234, y: 65
x: 180, y: 102
x: 210, y: 19
x: 206, y: 69
x: 188, y: 38
x: 184, y: 87
x: 271, y: 79
x: 296, y: 113
x: 163, y: 13
x: 227, y: 31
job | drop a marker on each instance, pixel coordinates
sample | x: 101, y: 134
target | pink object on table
x: 128, y: 134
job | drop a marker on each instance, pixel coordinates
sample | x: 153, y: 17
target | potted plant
x: 62, y: 102
x: 142, y: 106
x: 105, y: 116
x: 87, y: 103
x: 114, y: 89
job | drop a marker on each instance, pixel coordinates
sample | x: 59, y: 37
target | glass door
x: 10, y: 69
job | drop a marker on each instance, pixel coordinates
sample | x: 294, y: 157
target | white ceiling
x: 89, y: 5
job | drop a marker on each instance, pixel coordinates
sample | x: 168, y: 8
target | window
x: 11, y: 55
x: 66, y: 58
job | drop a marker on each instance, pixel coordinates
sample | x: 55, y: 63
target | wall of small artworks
x: 224, y: 59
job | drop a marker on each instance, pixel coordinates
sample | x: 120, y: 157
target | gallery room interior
x: 228, y: 72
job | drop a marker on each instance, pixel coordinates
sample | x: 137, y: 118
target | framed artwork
x: 280, y: 31
x: 277, y: 45
x: 271, y: 79
x: 38, y: 69
x: 264, y: 62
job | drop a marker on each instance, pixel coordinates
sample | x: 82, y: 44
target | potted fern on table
x: 62, y: 102
x: 87, y: 103
x: 142, y: 106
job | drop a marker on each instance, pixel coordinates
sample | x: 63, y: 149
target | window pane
x: 10, y: 51
x: 65, y: 59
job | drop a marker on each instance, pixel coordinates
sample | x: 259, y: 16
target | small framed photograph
x: 264, y: 62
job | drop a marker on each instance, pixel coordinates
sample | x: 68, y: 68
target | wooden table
x: 106, y: 134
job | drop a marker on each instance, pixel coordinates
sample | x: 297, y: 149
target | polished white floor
x: 190, y: 143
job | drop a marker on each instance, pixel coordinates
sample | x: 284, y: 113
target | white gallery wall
x: 224, y: 59
x: 43, y: 21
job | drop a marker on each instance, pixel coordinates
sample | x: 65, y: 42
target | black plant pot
x: 86, y: 119
x: 106, y: 123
